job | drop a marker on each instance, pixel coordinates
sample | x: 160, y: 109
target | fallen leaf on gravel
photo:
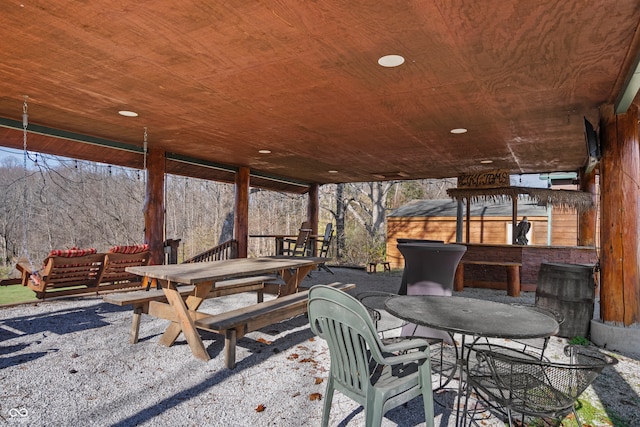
x: 293, y: 356
x: 319, y: 380
x: 307, y: 360
x: 312, y: 339
x: 315, y: 396
x: 263, y: 341
x: 260, y: 408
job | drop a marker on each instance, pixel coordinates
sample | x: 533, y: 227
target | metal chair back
x: 532, y: 387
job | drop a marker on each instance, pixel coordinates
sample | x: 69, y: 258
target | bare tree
x: 60, y: 203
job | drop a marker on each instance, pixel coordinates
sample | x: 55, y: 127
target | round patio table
x: 473, y: 317
x: 470, y: 316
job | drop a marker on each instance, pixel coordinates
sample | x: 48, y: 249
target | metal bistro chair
x: 362, y: 367
x: 537, y: 346
x: 531, y: 346
x: 532, y: 387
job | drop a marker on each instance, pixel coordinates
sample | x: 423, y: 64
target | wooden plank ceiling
x: 216, y: 82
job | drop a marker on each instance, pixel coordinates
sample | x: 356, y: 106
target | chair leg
x: 465, y: 411
x: 324, y: 267
x: 575, y: 414
x: 509, y: 417
x: 429, y: 413
x: 328, y: 398
x: 373, y: 413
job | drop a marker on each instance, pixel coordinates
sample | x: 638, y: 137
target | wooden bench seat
x: 140, y: 301
x: 242, y: 284
x: 237, y: 323
x: 513, y: 274
x: 373, y: 266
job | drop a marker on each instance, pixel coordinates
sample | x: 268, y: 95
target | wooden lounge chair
x: 325, y: 244
x: 299, y: 246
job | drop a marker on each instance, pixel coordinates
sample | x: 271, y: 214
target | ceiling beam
x: 72, y: 136
x: 630, y: 89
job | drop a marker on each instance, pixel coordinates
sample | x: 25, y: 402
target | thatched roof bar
x: 564, y: 199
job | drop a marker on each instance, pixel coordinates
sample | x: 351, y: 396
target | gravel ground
x: 69, y: 363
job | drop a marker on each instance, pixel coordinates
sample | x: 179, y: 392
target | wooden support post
x: 154, y: 205
x: 468, y: 220
x: 313, y: 209
x: 241, y: 212
x: 513, y: 280
x: 172, y: 255
x: 619, y: 224
x: 514, y: 218
x: 587, y: 219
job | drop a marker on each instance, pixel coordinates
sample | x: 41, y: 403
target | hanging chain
x: 144, y: 173
x: 144, y: 152
x: 25, y: 193
x: 144, y: 148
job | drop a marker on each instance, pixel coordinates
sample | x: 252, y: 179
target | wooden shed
x: 490, y: 223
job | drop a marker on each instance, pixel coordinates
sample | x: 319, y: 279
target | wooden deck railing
x: 226, y: 250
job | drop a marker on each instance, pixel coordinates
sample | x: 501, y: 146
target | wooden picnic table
x: 203, y: 276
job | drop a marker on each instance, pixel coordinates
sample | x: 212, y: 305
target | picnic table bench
x: 140, y: 299
x: 237, y: 323
x: 513, y: 274
x: 182, y: 310
x: 233, y: 324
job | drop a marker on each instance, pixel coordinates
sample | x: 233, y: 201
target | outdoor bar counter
x: 530, y: 256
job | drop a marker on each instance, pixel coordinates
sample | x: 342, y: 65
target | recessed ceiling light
x: 264, y: 151
x: 128, y: 113
x: 332, y: 171
x: 486, y: 162
x: 391, y: 61
x: 458, y: 130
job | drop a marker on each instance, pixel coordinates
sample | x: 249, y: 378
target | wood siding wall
x: 487, y: 230
x: 488, y: 242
